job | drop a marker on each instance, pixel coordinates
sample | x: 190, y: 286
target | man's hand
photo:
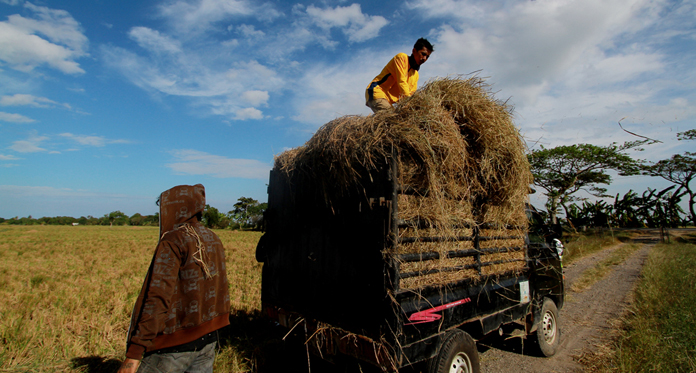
x: 129, y: 366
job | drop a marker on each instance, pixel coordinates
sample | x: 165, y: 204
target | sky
x: 105, y: 104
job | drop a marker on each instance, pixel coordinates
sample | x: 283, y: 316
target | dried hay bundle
x: 460, y: 156
x: 437, y: 264
x: 455, y: 142
x: 433, y: 247
x: 514, y: 263
x: 408, y: 232
x: 437, y: 279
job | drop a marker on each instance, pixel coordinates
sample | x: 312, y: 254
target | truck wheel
x: 548, y: 336
x: 457, y: 354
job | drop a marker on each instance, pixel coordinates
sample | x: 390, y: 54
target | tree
x: 116, y: 217
x: 151, y: 219
x: 565, y: 170
x: 248, y: 212
x: 136, y: 219
x: 211, y: 217
x: 680, y: 170
x: 687, y: 135
x: 653, y: 209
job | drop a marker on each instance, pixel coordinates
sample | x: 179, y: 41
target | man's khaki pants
x: 379, y: 104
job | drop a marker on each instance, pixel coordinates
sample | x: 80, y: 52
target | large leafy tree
x: 247, y: 211
x: 211, y: 217
x: 117, y: 217
x: 564, y: 170
x: 680, y: 170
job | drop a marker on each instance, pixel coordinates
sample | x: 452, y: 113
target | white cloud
x: 29, y: 100
x: 200, y: 15
x: 256, y: 98
x: 318, y: 102
x: 4, y: 157
x: 527, y: 45
x: 15, y: 118
x: 187, y: 73
x: 232, y: 108
x: 193, y: 162
x: 154, y: 41
x: 252, y: 74
x: 30, y: 145
x: 250, y: 31
x: 248, y: 113
x: 224, y: 90
x: 351, y: 20
x: 97, y: 141
x: 52, y: 38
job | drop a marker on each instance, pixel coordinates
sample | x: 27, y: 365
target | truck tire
x: 547, y: 335
x: 457, y: 354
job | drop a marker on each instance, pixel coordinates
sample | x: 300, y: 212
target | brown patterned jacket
x: 185, y: 294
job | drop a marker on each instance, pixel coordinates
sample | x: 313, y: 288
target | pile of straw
x: 456, y: 144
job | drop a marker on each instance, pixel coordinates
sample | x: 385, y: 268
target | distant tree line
x: 247, y: 214
x: 112, y: 218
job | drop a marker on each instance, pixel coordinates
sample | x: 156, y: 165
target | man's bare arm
x: 129, y: 366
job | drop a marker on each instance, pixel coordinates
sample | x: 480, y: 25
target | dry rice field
x: 67, y: 294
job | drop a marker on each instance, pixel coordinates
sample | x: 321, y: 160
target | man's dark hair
x: 423, y: 43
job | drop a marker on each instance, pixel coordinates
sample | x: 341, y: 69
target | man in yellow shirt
x: 398, y: 79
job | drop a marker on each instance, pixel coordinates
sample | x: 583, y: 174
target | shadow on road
x: 507, y: 342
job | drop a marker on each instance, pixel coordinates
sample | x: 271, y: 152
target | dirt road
x: 585, y: 321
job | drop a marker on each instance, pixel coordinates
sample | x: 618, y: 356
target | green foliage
x: 687, y: 135
x: 248, y: 212
x: 136, y: 219
x: 211, y: 217
x: 595, y: 214
x: 115, y: 217
x: 653, y: 210
x: 565, y: 170
x: 680, y: 170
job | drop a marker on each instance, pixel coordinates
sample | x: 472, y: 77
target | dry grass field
x: 67, y: 293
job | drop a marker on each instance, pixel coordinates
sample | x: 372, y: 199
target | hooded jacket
x: 185, y: 294
x: 398, y: 79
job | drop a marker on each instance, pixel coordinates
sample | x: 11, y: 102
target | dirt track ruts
x: 586, y: 320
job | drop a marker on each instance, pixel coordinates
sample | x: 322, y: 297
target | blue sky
x: 105, y: 104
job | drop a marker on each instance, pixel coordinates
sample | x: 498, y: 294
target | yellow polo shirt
x: 397, y: 79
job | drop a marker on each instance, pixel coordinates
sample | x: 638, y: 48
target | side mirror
x: 559, y: 247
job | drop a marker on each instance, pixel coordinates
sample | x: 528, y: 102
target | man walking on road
x: 185, y: 298
x: 398, y: 79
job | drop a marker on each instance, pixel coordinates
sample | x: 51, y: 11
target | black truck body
x: 330, y: 273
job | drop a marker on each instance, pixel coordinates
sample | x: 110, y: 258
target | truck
x: 344, y: 275
x: 331, y: 273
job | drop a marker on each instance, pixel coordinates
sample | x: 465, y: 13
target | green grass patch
x: 659, y: 335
